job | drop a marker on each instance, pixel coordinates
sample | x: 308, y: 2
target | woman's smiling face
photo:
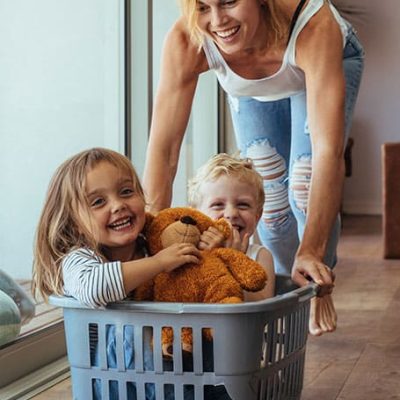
x: 232, y: 24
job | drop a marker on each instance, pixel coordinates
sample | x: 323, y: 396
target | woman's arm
x: 181, y: 65
x: 319, y: 54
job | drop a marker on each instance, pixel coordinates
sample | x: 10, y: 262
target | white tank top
x: 287, y: 81
x: 253, y: 250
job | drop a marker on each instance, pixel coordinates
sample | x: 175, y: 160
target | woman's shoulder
x: 320, y: 35
x: 322, y: 25
x: 179, y: 47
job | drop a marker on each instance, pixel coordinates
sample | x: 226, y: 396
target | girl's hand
x: 211, y: 238
x: 236, y: 242
x: 177, y: 255
x: 309, y: 267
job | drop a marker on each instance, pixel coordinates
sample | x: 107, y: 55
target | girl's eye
x: 97, y: 202
x: 243, y: 206
x: 217, y: 206
x: 127, y: 192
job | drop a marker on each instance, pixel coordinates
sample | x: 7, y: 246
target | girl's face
x: 117, y: 210
x: 232, y: 199
x: 234, y: 25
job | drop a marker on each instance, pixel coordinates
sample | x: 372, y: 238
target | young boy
x: 231, y: 188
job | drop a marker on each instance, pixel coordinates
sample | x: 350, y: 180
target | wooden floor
x: 361, y: 360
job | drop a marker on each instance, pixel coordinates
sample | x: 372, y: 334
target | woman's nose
x: 217, y: 18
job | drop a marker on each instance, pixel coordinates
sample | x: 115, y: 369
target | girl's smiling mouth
x: 121, y: 224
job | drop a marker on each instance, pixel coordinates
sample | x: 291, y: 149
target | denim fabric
x: 129, y: 360
x: 278, y: 130
x: 210, y: 392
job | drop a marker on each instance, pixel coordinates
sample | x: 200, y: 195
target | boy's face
x: 117, y: 210
x: 232, y: 199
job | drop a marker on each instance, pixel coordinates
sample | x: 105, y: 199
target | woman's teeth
x: 227, y: 33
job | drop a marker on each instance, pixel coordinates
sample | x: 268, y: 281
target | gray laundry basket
x: 258, y: 347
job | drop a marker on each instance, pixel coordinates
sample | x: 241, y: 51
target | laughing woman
x: 291, y: 71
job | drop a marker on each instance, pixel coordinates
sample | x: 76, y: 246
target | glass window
x: 61, y: 91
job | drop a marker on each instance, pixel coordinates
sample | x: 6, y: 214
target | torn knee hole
x: 300, y: 182
x: 267, y: 161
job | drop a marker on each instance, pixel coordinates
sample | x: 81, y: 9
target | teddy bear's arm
x: 144, y: 292
x: 250, y: 274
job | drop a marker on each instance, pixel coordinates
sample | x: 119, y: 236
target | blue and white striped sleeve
x: 90, y: 280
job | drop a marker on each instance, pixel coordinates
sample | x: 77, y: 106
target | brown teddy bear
x: 220, y: 277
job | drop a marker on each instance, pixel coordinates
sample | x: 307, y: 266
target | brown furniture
x: 391, y: 199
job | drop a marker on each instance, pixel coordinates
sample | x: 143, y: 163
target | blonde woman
x: 291, y: 70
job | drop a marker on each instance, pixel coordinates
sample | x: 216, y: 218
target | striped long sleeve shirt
x: 91, y: 280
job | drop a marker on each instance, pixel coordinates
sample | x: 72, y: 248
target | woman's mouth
x: 121, y: 224
x: 227, y: 34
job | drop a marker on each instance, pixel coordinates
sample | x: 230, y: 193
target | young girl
x: 89, y: 245
x: 230, y: 188
x: 88, y: 241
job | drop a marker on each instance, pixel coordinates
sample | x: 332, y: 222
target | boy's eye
x: 217, y: 206
x: 243, y: 206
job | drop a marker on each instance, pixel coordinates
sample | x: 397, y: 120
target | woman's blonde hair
x: 65, y: 223
x: 275, y: 19
x: 225, y: 165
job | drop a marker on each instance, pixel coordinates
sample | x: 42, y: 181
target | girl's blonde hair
x: 225, y: 165
x: 65, y: 223
x: 275, y: 19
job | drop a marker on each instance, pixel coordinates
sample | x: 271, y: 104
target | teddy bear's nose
x: 188, y: 220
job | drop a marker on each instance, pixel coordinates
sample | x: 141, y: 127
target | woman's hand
x: 177, y: 255
x: 308, y: 268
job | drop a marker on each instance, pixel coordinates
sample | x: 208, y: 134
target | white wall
x: 61, y: 74
x: 377, y: 117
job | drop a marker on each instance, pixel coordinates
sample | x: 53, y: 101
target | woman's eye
x: 228, y: 2
x: 201, y: 8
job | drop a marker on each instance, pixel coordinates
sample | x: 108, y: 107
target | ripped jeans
x: 276, y: 137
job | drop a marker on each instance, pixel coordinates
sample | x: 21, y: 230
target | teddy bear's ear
x: 149, y: 220
x: 223, y: 225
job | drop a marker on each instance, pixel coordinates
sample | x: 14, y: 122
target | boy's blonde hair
x: 65, y: 223
x: 275, y: 19
x: 225, y: 165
